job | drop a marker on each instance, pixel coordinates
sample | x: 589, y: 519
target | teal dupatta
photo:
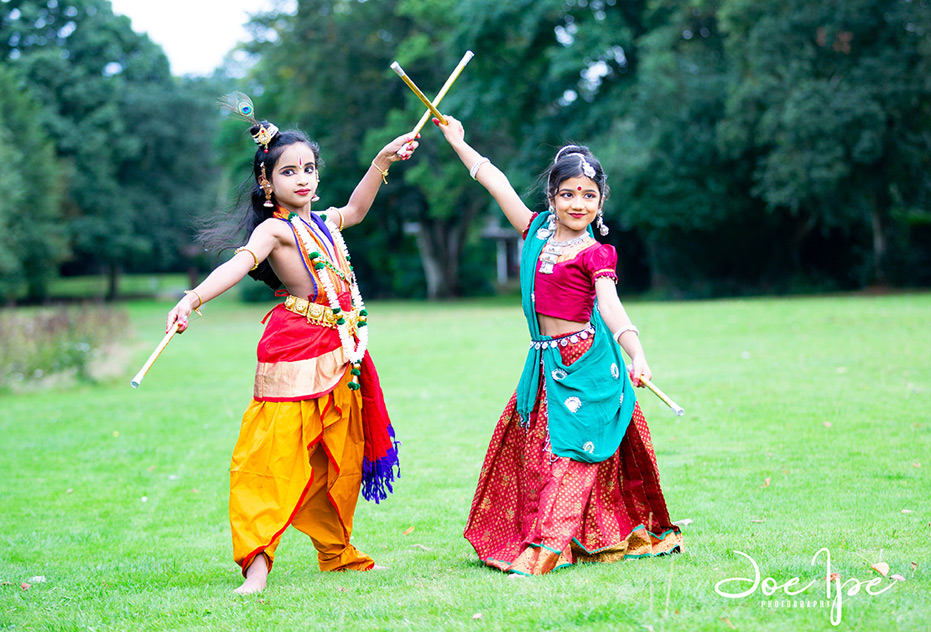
x: 589, y: 402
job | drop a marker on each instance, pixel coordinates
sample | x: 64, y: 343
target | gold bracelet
x: 383, y: 172
x: 341, y: 216
x: 200, y: 301
x: 244, y: 249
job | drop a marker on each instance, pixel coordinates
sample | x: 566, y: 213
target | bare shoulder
x: 271, y: 227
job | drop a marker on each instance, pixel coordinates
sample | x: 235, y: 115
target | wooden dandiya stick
x: 152, y: 358
x: 395, y: 66
x: 442, y: 93
x: 663, y: 396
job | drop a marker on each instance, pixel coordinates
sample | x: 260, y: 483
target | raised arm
x: 225, y: 275
x: 488, y: 175
x: 363, y: 195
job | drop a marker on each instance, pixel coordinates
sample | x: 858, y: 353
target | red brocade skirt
x: 534, y: 512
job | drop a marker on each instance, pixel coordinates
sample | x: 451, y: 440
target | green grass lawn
x: 807, y: 426
x: 95, y: 287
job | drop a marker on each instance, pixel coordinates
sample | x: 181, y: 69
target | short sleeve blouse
x: 569, y: 292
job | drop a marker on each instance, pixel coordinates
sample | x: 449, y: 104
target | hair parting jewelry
x: 383, y: 172
x: 254, y: 258
x: 200, y: 301
x: 624, y: 330
x: 560, y: 152
x: 266, y: 187
x: 586, y: 166
x: 478, y: 165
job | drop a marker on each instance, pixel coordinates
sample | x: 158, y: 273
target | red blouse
x: 569, y: 292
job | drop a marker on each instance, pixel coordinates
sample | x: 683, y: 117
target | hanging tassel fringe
x: 378, y: 477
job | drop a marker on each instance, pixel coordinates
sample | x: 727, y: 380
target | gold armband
x: 254, y: 258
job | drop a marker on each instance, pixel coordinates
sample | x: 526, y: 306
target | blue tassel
x: 377, y: 477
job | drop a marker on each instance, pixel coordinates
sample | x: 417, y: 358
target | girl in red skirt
x: 570, y: 475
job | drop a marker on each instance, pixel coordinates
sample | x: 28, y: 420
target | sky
x: 195, y: 34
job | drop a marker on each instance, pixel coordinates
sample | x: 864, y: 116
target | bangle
x: 254, y: 258
x: 620, y: 332
x: 478, y: 165
x: 383, y: 172
x: 340, y: 227
x: 200, y: 301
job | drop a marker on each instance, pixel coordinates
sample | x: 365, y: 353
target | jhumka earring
x: 601, y: 223
x: 545, y: 232
x: 315, y: 198
x: 266, y: 187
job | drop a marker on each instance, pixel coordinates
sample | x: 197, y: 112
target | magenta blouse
x: 569, y: 292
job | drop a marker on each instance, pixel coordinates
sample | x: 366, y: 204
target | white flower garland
x: 355, y: 351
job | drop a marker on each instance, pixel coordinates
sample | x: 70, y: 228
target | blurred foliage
x: 773, y: 146
x: 38, y: 344
x: 750, y: 146
x: 131, y: 142
x: 32, y: 237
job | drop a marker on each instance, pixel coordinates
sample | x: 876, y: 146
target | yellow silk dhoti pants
x: 299, y: 463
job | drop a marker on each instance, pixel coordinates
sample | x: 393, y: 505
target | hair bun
x: 264, y: 133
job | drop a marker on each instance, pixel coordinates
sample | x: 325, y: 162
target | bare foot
x: 256, y: 576
x: 379, y: 568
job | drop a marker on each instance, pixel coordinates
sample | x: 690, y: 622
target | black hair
x: 569, y: 163
x: 230, y: 232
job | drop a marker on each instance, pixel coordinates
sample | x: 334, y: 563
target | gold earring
x: 266, y: 187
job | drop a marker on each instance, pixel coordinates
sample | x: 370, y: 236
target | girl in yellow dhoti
x: 316, y: 431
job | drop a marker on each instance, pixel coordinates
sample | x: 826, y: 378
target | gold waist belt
x: 320, y: 314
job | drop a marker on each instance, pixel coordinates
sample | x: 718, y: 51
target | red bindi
x: 580, y: 188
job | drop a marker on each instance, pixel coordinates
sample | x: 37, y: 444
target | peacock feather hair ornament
x: 241, y: 105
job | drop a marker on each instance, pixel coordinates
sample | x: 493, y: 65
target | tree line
x: 750, y: 146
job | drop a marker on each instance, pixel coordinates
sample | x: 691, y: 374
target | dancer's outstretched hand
x: 401, y: 148
x: 453, y: 130
x: 179, y: 314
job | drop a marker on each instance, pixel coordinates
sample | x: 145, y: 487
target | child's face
x: 577, y: 201
x: 295, y: 178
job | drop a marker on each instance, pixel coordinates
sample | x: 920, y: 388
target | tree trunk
x: 113, y: 281
x: 440, y: 243
x: 800, y: 233
x: 879, y: 243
